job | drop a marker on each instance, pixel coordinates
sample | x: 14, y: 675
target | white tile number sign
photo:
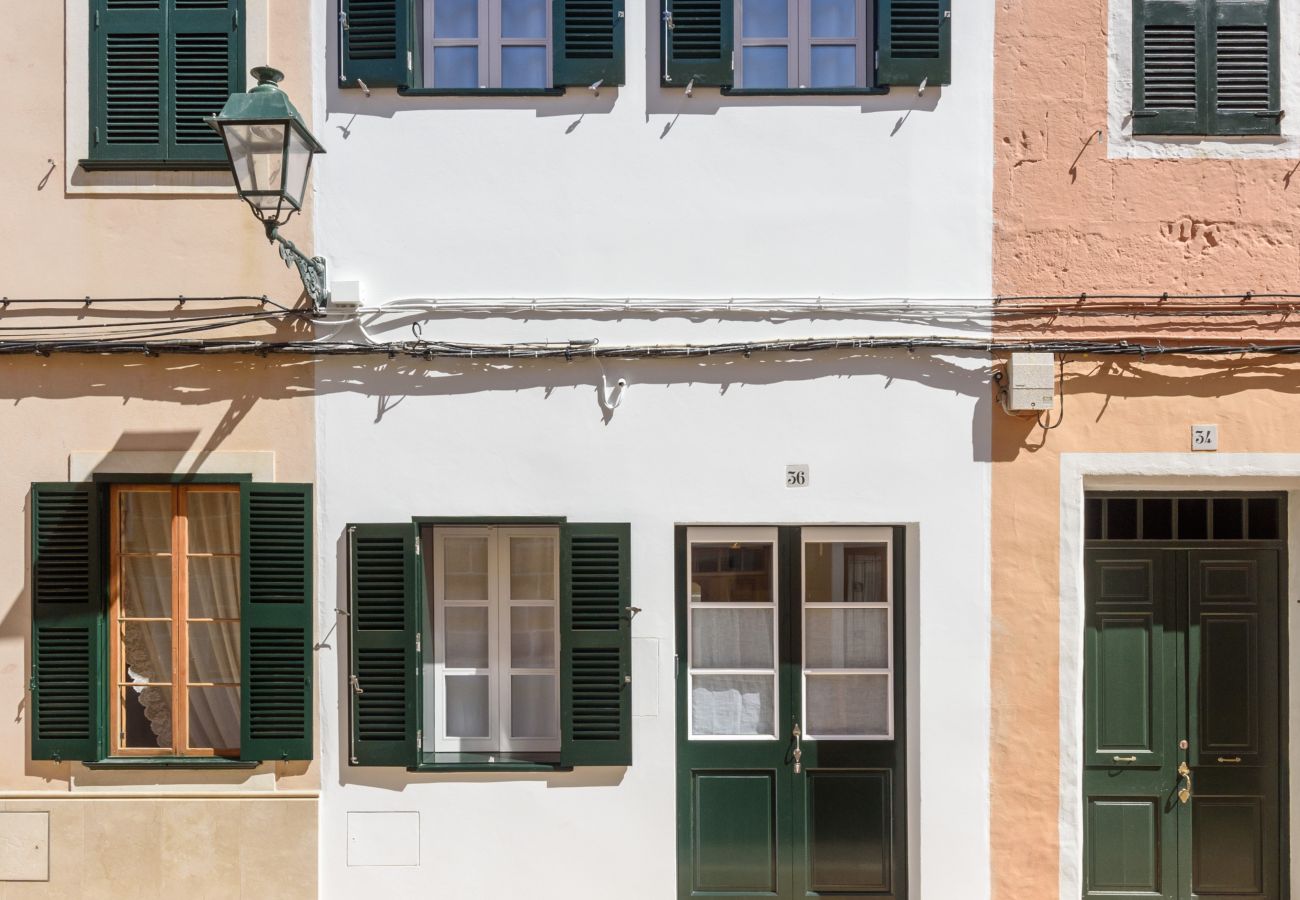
x: 796, y: 475
x: 1205, y: 437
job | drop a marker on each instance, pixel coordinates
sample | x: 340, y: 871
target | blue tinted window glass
x: 766, y: 67
x: 833, y: 66
x: 455, y: 19
x: 523, y: 18
x: 455, y: 67
x: 834, y: 18
x: 523, y: 67
x: 765, y: 18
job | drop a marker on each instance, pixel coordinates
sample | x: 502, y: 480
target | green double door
x: 1183, y: 726
x: 790, y: 752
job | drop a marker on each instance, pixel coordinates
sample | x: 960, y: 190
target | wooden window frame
x: 799, y: 43
x: 180, y: 620
x: 489, y: 42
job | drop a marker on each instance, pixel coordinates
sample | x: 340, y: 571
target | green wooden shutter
x: 596, y: 645
x: 276, y: 621
x: 376, y: 43
x: 67, y: 609
x: 588, y: 42
x: 128, y: 86
x: 383, y: 611
x: 1169, y: 67
x: 1245, y: 91
x: 696, y: 42
x: 206, y: 66
x: 913, y: 42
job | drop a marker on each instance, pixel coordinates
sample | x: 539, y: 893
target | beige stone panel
x: 122, y: 855
x: 200, y: 849
x: 67, y: 822
x: 278, y: 849
x: 24, y: 845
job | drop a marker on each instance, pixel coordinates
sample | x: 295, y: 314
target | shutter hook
x: 595, y: 88
x: 690, y: 87
x: 632, y: 611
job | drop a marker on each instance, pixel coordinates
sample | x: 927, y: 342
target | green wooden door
x: 1182, y: 651
x: 790, y: 762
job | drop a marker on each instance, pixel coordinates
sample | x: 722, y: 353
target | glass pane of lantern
x: 295, y: 173
x: 257, y: 153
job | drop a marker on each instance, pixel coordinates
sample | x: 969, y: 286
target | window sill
x: 481, y: 92
x: 172, y: 762
x: 805, y: 92
x: 478, y: 762
x: 153, y: 165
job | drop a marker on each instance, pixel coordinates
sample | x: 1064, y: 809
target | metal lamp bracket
x: 310, y: 269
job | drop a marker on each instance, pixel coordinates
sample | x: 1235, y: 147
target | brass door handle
x: 798, y: 749
x: 1185, y: 792
x: 1229, y: 759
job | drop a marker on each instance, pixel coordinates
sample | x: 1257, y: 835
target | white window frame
x: 489, y: 43
x: 743, y: 535
x: 848, y: 535
x: 499, y: 603
x: 799, y: 42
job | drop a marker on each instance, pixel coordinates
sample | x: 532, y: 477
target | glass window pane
x: 731, y: 573
x: 212, y: 518
x: 765, y: 18
x: 147, y: 716
x: 523, y: 18
x: 732, y: 638
x: 732, y: 704
x: 147, y: 651
x: 523, y: 67
x: 455, y: 19
x: 146, y: 522
x: 532, y: 637
x: 847, y: 705
x: 532, y: 559
x: 147, y: 587
x: 455, y: 67
x: 214, y: 717
x: 766, y: 67
x: 845, y: 573
x: 834, y: 66
x: 847, y: 639
x: 467, y: 706
x: 533, y: 706
x: 214, y: 652
x: 214, y: 587
x: 465, y: 567
x: 467, y: 637
x: 834, y: 18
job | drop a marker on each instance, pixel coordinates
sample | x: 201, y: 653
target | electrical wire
x: 179, y: 300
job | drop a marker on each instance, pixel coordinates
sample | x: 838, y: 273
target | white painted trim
x: 1153, y: 471
x: 83, y: 465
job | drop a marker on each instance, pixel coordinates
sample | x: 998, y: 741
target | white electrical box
x: 345, y: 297
x: 1031, y: 379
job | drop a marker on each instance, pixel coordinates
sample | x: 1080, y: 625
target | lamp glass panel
x: 295, y: 173
x: 257, y: 155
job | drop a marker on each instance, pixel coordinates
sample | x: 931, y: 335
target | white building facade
x: 601, y: 617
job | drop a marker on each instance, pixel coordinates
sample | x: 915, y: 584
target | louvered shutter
x: 1169, y: 71
x: 588, y: 42
x: 276, y: 621
x: 914, y: 42
x: 128, y: 79
x: 206, y: 66
x: 377, y: 43
x: 596, y: 645
x: 383, y: 611
x: 67, y: 609
x: 1245, y: 92
x: 696, y: 42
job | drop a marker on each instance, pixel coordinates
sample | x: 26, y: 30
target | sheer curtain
x: 213, y: 522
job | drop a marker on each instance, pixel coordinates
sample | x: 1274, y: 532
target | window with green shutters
x: 490, y: 645
x: 158, y: 69
x: 1206, y: 67
x: 88, y: 569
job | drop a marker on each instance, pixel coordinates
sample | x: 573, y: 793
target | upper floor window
x: 488, y: 43
x: 802, y: 43
x: 158, y: 69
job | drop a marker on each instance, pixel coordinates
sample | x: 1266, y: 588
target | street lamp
x: 270, y: 152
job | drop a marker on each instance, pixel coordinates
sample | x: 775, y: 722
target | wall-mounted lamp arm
x: 310, y: 269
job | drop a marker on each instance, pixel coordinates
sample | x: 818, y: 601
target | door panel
x: 849, y: 816
x: 1125, y: 844
x: 734, y: 817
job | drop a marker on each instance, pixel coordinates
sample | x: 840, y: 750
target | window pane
x: 765, y: 18
x: 147, y: 587
x: 845, y: 573
x: 532, y: 637
x: 766, y: 67
x: 847, y: 639
x: 467, y: 637
x: 455, y: 67
x: 732, y: 704
x: 146, y: 522
x: 467, y: 706
x: 523, y: 67
x: 731, y: 638
x: 732, y: 573
x: 465, y: 559
x: 214, y: 587
x: 532, y: 559
x: 214, y: 717
x: 533, y: 706
x: 213, y: 521
x: 834, y: 66
x: 147, y: 651
x: 147, y: 716
x: 848, y: 705
x: 834, y: 18
x: 523, y: 18
x: 455, y: 19
x: 214, y: 652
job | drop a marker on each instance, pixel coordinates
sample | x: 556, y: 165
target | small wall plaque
x: 1205, y: 437
x: 796, y: 475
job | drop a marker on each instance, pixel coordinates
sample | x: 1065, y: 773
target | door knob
x: 1185, y: 772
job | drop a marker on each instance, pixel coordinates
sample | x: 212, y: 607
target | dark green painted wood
x: 914, y: 42
x: 699, y: 46
x: 379, y: 43
x: 1245, y: 83
x: 67, y: 674
x: 383, y: 607
x: 276, y: 607
x: 587, y: 42
x: 595, y: 645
